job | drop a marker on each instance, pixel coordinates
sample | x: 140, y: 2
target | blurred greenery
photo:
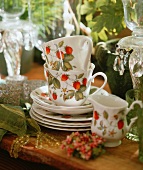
x: 104, y: 17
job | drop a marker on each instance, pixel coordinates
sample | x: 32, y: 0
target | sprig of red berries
x: 85, y: 146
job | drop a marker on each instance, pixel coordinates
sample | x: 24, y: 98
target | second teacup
x: 71, y: 88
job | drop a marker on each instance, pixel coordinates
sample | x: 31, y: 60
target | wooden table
x: 123, y: 157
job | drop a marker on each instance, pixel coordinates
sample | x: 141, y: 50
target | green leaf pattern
x: 56, y: 83
x: 64, y: 64
x: 104, y: 123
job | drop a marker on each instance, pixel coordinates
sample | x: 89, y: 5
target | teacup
x: 68, y: 53
x: 71, y: 88
x: 109, y: 118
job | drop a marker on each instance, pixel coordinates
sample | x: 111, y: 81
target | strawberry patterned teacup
x: 71, y: 88
x: 68, y: 53
x: 109, y: 118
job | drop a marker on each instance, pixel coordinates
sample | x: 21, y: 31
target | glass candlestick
x: 15, y: 34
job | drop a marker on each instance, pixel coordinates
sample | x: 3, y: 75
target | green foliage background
x: 104, y: 17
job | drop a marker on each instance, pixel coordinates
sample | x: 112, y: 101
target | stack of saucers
x: 47, y: 114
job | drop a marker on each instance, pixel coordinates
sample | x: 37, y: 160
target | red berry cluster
x: 77, y: 84
x: 60, y: 54
x: 84, y: 145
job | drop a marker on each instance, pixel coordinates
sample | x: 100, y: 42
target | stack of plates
x: 66, y: 118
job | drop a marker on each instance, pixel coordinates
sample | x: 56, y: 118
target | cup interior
x: 110, y: 101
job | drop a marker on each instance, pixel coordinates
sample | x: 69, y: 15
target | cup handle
x: 105, y: 80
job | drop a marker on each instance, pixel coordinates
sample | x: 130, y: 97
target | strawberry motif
x: 44, y: 94
x: 84, y: 81
x: 76, y: 85
x: 68, y: 49
x: 54, y: 96
x: 120, y: 124
x: 96, y: 115
x: 64, y: 77
x: 47, y: 73
x: 60, y: 54
x: 47, y: 50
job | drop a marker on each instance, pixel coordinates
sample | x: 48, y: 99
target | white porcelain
x: 63, y: 110
x: 109, y: 118
x: 71, y: 88
x: 41, y: 98
x: 56, y: 116
x: 59, y: 128
x: 48, y: 121
x: 68, y: 53
x: 42, y: 94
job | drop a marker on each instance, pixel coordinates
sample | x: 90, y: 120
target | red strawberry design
x: 60, y: 54
x: 47, y: 73
x: 76, y: 85
x: 47, y: 50
x: 54, y: 96
x: 44, y: 94
x: 64, y: 77
x: 96, y: 115
x: 120, y: 124
x: 68, y: 49
x: 84, y: 81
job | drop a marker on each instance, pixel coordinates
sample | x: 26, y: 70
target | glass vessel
x: 14, y: 34
x: 130, y: 48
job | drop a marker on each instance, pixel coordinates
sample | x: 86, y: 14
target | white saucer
x: 48, y: 121
x: 60, y: 128
x: 73, y: 117
x: 39, y: 92
x: 62, y: 109
x: 65, y: 129
x: 46, y: 103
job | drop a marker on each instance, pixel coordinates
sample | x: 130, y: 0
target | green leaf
x: 78, y: 95
x: 69, y: 94
x: 50, y: 79
x: 87, y: 7
x: 56, y: 83
x: 12, y: 118
x: 80, y: 76
x: 68, y: 57
x: 82, y: 88
x: 2, y: 133
x: 102, y: 35
x: 60, y: 44
x: 67, y: 66
x: 104, y: 132
x: 101, y: 123
x: 56, y: 65
x: 32, y: 126
x: 105, y: 115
